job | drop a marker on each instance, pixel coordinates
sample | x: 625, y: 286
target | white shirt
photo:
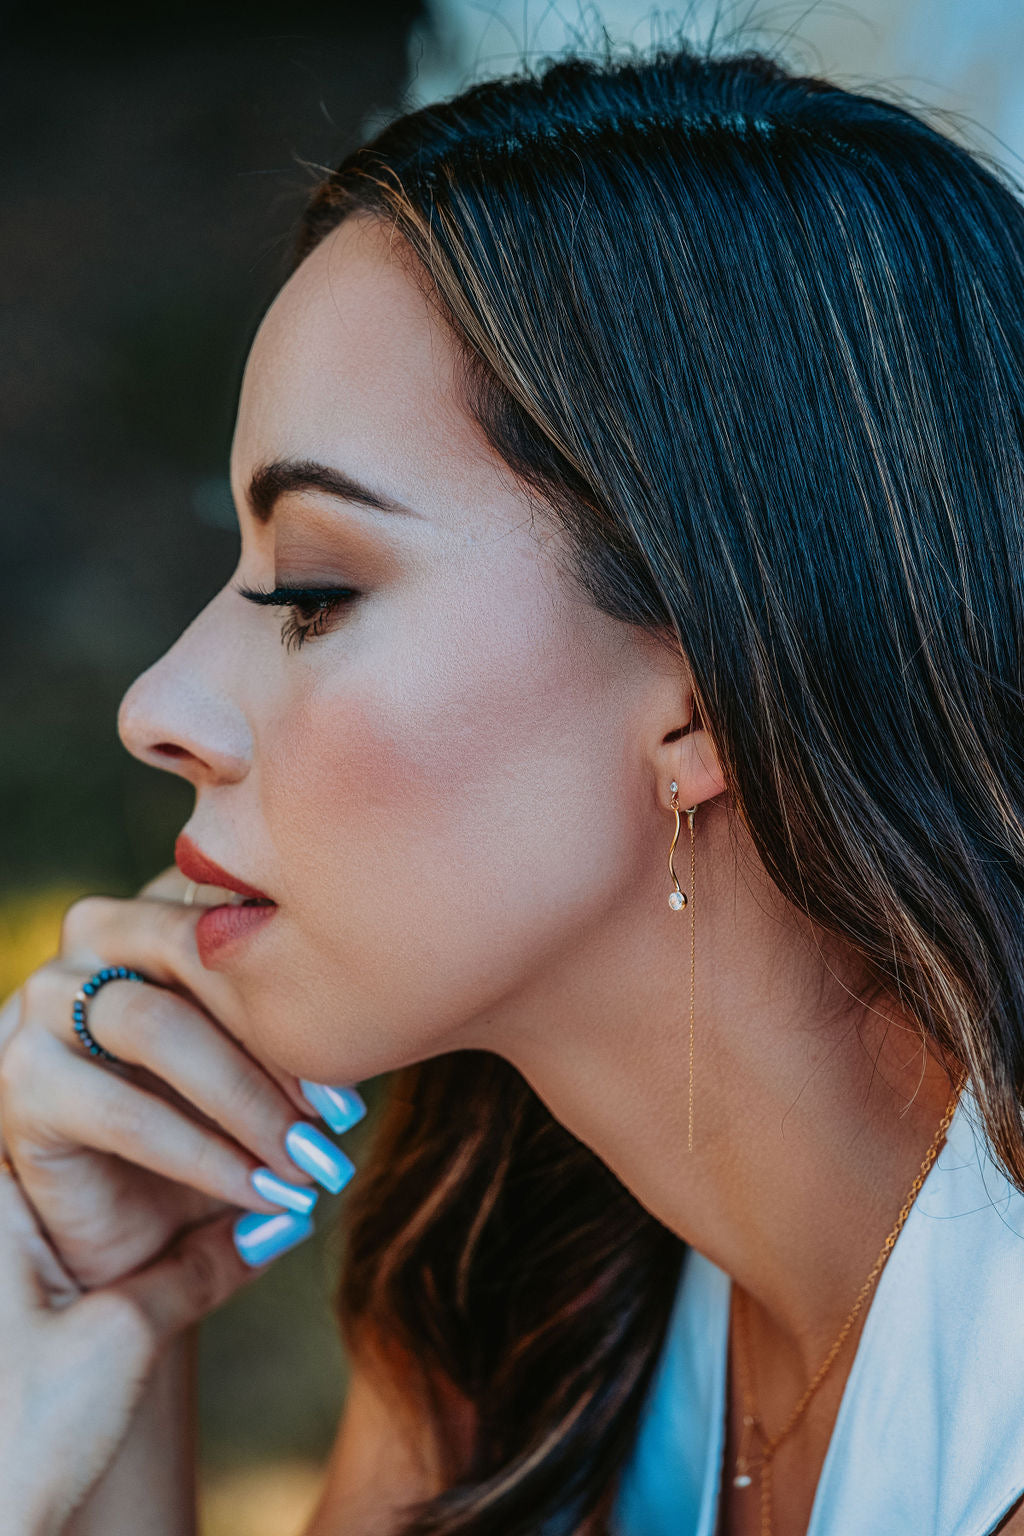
x: 929, y: 1438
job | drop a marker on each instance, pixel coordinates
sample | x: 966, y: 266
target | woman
x: 632, y: 467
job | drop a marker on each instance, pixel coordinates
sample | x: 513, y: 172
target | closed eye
x: 312, y: 608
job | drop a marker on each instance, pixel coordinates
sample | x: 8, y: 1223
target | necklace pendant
x: 741, y: 1476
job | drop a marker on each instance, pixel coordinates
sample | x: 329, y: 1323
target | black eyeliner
x: 283, y: 596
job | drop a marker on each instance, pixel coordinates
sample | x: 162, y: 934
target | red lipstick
x: 229, y: 922
x: 220, y: 926
x: 196, y: 866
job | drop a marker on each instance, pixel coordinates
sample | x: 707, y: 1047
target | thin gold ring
x: 190, y: 892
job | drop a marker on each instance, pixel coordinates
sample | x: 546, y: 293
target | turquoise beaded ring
x: 91, y: 987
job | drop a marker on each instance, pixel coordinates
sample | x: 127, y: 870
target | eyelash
x: 312, y: 608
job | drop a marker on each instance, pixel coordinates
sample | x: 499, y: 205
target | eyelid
x: 313, y: 609
x: 283, y: 596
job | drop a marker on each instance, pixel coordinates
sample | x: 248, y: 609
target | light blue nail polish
x: 340, y: 1106
x: 297, y: 1197
x: 318, y: 1156
x: 260, y: 1237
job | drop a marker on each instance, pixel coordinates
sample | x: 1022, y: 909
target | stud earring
x: 677, y: 900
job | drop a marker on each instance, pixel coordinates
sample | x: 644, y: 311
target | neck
x: 813, y: 1110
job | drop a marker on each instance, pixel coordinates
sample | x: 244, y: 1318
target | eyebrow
x: 272, y: 481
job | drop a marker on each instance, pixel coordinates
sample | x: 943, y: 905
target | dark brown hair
x: 758, y: 342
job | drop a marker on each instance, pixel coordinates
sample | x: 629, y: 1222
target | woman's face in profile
x: 447, y: 790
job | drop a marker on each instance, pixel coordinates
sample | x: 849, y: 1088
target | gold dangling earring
x: 677, y: 900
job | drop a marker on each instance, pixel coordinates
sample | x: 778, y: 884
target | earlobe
x: 700, y: 773
x: 680, y: 743
x: 688, y: 756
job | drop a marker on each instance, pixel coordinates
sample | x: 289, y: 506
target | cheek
x: 435, y: 816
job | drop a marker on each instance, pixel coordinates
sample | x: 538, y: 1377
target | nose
x: 179, y: 714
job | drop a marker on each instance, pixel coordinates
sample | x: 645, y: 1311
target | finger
x: 10, y: 1015
x: 30, y: 1270
x: 87, y: 1106
x: 200, y: 1271
x: 19, y: 1290
x: 151, y: 1027
x: 102, y: 1350
x: 157, y: 937
x: 156, y: 1030
x: 171, y: 885
x: 10, y: 1018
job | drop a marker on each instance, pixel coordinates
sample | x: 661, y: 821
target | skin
x: 458, y: 795
x: 57, y: 1430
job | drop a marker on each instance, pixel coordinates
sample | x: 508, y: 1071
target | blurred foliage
x: 30, y: 932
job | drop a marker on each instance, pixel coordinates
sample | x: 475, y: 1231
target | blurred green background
x: 154, y: 162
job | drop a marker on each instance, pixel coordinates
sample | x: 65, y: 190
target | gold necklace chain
x: 751, y: 1419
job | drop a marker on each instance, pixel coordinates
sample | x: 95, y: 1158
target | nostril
x: 170, y: 749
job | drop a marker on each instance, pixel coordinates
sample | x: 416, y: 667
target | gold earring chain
x: 677, y: 899
x: 690, y: 1118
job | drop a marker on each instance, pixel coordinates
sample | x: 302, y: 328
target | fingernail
x: 341, y: 1107
x: 318, y: 1156
x: 259, y: 1238
x: 297, y: 1197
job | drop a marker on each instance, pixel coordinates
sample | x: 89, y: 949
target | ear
x: 683, y: 751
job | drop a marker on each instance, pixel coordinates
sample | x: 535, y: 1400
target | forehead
x: 350, y: 365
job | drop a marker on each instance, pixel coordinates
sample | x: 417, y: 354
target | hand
x: 117, y: 1160
x: 75, y: 1364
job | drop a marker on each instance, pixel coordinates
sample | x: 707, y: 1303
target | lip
x: 227, y: 924
x: 195, y: 865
